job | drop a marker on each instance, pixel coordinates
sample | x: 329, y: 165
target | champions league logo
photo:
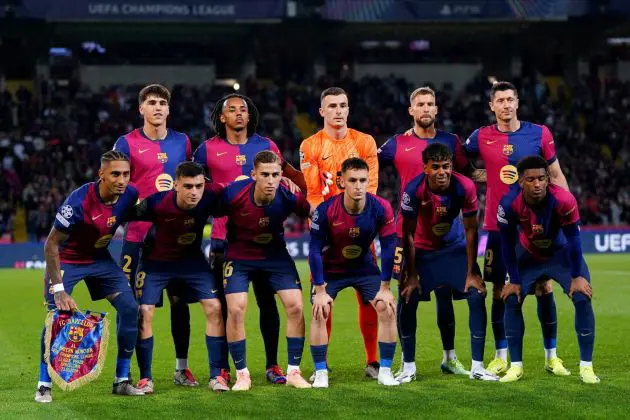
x: 66, y: 211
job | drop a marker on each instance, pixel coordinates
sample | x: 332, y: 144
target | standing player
x: 404, y: 152
x: 343, y: 230
x: 228, y: 157
x: 321, y: 156
x: 76, y: 249
x: 500, y: 147
x: 540, y: 238
x: 172, y: 257
x: 257, y: 252
x: 154, y: 152
x: 442, y: 252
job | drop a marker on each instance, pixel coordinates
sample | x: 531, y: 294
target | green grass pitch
x: 351, y: 395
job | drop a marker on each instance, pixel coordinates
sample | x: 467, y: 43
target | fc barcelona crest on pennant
x: 537, y: 229
x: 162, y: 157
x: 508, y: 149
x: 263, y: 221
x: 354, y: 232
x: 111, y: 221
x: 241, y: 160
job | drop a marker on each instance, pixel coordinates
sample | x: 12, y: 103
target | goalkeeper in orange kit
x: 321, y: 156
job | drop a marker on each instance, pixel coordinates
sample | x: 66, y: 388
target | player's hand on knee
x: 409, y: 286
x: 386, y: 297
x: 321, y: 306
x: 581, y: 285
x: 475, y: 281
x: 292, y: 186
x: 64, y: 301
x: 326, y: 182
x: 511, y: 289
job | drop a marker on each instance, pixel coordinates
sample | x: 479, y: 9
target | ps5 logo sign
x: 612, y: 242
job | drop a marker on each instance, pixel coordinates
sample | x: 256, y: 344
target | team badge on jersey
x: 354, y: 232
x: 508, y: 149
x: 263, y: 221
x: 441, y: 210
x: 537, y: 229
x: 111, y: 221
x: 162, y: 157
x: 189, y: 221
x: 241, y: 160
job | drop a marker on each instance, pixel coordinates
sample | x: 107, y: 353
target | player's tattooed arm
x: 51, y: 252
x: 473, y: 277
x: 410, y: 281
x: 556, y: 175
x: 294, y: 175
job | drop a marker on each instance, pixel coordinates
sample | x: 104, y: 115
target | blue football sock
x: 269, y: 322
x: 127, y: 331
x: 407, y: 323
x: 445, y: 317
x: 144, y: 354
x: 319, y: 356
x: 386, y: 351
x: 477, y: 320
x: 295, y: 348
x: 238, y: 350
x: 215, y: 346
x: 497, y: 315
x: 514, y: 328
x: 43, y: 366
x: 548, y: 318
x: 584, y: 326
x: 180, y: 329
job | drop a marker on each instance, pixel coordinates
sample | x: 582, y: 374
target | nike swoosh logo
x: 324, y: 158
x: 238, y: 361
x: 491, y: 142
x: 142, y: 151
x: 424, y: 203
x: 409, y: 148
x: 170, y: 220
x: 128, y: 351
x: 246, y: 214
x: 221, y: 154
x: 585, y: 335
x: 214, y: 290
x: 96, y: 217
x: 337, y: 223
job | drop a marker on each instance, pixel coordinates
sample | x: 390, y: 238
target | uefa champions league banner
x: 31, y: 255
x: 152, y: 10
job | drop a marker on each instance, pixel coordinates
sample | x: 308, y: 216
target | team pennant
x: 76, y: 346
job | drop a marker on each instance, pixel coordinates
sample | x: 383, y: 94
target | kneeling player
x: 342, y: 231
x: 257, y: 209
x: 540, y: 239
x: 172, y: 258
x: 437, y: 249
x: 76, y: 249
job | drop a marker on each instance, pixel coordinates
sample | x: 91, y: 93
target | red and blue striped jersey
x: 540, y: 228
x: 257, y: 232
x: 91, y: 223
x: 176, y: 233
x: 226, y: 162
x: 500, y: 153
x: 405, y: 153
x: 438, y: 223
x: 153, y: 164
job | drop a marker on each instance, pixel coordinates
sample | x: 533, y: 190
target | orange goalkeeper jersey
x: 319, y: 153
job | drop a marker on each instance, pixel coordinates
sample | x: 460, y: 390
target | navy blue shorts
x: 558, y: 268
x: 218, y: 246
x: 443, y: 271
x: 399, y: 259
x: 190, y: 280
x: 279, y: 274
x: 367, y: 286
x: 493, y: 266
x: 102, y: 278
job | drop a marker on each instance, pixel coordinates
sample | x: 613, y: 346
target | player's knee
x: 295, y: 309
x: 236, y: 311
x: 497, y: 288
x: 212, y: 309
x: 384, y: 315
x: 145, y: 314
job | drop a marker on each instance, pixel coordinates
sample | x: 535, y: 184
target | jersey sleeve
x: 318, y: 240
x: 409, y: 200
x: 69, y: 214
x: 548, y: 145
x: 274, y: 148
x: 144, y: 209
x: 460, y: 160
x: 387, y: 152
x: 370, y: 155
x: 122, y: 145
x: 388, y: 227
x: 471, y: 204
x: 302, y: 206
x: 308, y: 166
x: 568, y: 209
x: 188, y: 149
x: 471, y: 145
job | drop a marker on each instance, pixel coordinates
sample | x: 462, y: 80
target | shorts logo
x: 66, y: 211
x: 263, y: 221
x: 508, y: 174
x: 508, y: 149
x: 537, y: 229
x: 163, y: 182
x: 162, y: 157
x: 396, y: 268
x: 189, y: 222
x: 354, y: 232
x: 441, y: 210
x: 241, y: 160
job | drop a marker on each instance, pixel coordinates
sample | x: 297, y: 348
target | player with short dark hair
x: 227, y: 157
x: 404, y: 152
x: 500, y: 146
x: 154, y: 151
x: 76, y: 249
x: 340, y: 256
x: 172, y: 258
x: 540, y: 238
x: 257, y: 208
x: 440, y: 250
